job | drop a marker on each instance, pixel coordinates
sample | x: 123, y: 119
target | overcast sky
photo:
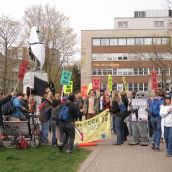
x: 85, y: 14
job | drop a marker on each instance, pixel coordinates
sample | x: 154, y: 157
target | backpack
x: 155, y: 107
x: 23, y: 144
x: 8, y: 108
x: 63, y: 115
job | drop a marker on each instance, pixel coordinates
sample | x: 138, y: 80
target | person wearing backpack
x: 156, y: 119
x: 67, y: 116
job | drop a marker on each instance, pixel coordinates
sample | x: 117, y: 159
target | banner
x: 109, y: 83
x: 22, y: 69
x: 68, y: 88
x: 65, y: 77
x: 154, y: 82
x: 93, y: 129
x: 96, y: 83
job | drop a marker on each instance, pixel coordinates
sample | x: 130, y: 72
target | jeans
x: 119, y: 130
x: 156, y: 124
x: 44, y: 131
x: 113, y: 124
x: 67, y: 130
x: 53, y: 128
x: 168, y: 139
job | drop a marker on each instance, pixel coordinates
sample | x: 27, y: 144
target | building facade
x: 134, y: 48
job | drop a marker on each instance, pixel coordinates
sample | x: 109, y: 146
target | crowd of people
x: 58, y: 115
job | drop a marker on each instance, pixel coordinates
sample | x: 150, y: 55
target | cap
x: 167, y: 96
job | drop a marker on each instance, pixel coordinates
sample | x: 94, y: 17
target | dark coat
x: 2, y: 102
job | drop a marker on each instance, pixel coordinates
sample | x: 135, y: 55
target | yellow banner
x: 93, y: 129
x: 110, y: 83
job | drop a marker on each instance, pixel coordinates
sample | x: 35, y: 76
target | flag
x: 22, y: 69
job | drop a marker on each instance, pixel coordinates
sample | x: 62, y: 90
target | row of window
x: 124, y: 24
x: 129, y: 41
x: 127, y: 56
x: 131, y: 86
x: 128, y: 71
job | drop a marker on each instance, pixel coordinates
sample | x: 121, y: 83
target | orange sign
x: 84, y: 91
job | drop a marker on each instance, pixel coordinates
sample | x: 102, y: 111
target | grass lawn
x: 43, y: 159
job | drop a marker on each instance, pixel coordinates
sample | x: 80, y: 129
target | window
x: 159, y: 23
x: 114, y: 86
x: 120, y: 87
x: 96, y: 42
x: 130, y: 41
x: 120, y: 56
x: 157, y: 41
x: 119, y: 71
x: 125, y: 71
x: 139, y: 41
x: 140, y: 71
x: 113, y: 41
x: 135, y: 71
x: 135, y: 87
x: 130, y: 71
x: 140, y: 86
x: 130, y: 86
x: 125, y: 56
x: 122, y: 24
x: 145, y: 86
x: 104, y: 42
x: 121, y: 41
x: 114, y: 71
x: 109, y: 71
x: 148, y: 41
x: 145, y: 71
x: 94, y: 72
x: 165, y: 41
x: 104, y: 71
x: 99, y: 72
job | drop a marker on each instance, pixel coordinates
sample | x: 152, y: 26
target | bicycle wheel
x: 35, y: 136
x: 10, y: 137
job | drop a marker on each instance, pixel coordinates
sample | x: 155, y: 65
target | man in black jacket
x: 67, y: 127
x: 2, y: 102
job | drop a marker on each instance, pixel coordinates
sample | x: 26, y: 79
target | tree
x: 59, y: 38
x: 9, y: 33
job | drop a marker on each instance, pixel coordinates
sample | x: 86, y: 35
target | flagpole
x: 16, y: 85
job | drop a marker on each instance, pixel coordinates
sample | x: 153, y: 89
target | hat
x: 167, y: 96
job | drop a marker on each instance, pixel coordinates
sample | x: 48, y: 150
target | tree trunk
x: 5, y: 70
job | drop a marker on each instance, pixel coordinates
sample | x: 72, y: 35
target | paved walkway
x: 109, y: 158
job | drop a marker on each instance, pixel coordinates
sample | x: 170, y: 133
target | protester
x: 55, y: 122
x: 19, y: 111
x: 2, y: 102
x: 156, y: 119
x: 101, y: 100
x: 115, y: 111
x: 91, y: 105
x: 79, y: 103
x: 45, y: 115
x: 166, y: 114
x: 67, y: 117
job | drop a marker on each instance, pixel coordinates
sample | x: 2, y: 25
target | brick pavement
x: 109, y: 158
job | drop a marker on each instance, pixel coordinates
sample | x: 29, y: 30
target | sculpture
x: 36, y: 49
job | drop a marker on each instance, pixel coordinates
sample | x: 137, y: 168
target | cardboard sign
x: 96, y: 83
x: 65, y: 77
x: 125, y: 84
x: 68, y: 88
